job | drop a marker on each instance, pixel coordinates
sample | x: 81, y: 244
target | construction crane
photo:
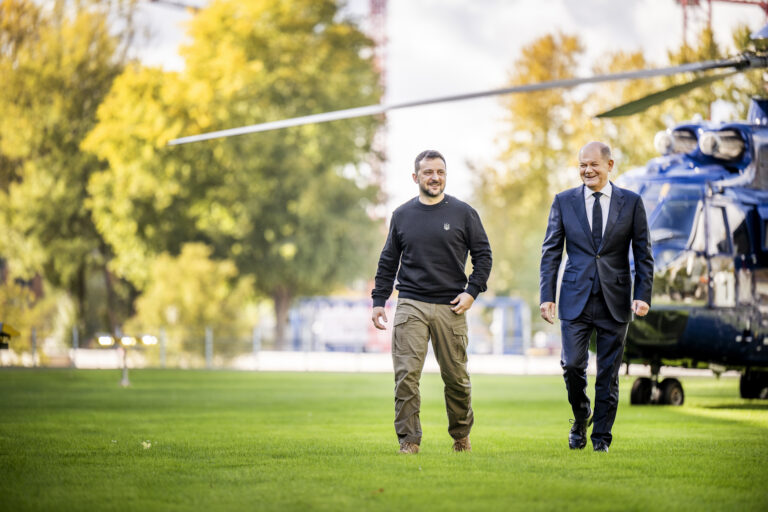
x: 377, y: 20
x: 692, y: 8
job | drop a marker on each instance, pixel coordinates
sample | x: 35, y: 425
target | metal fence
x: 318, y: 324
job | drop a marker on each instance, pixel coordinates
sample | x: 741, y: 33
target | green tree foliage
x: 630, y: 137
x: 698, y: 102
x: 24, y: 310
x: 286, y: 205
x: 56, y: 64
x: 751, y: 83
x: 190, y: 292
x: 631, y: 134
x: 514, y: 198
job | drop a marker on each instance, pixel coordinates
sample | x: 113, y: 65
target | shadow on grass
x: 756, y: 406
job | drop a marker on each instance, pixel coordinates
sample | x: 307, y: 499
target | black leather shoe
x: 601, y: 447
x: 577, y: 438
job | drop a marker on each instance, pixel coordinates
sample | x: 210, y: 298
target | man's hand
x: 640, y: 307
x: 463, y: 302
x: 548, y: 311
x: 379, y: 314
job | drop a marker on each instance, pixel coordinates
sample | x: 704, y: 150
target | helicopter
x: 707, y: 204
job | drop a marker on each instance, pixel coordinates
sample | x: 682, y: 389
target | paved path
x: 364, y: 362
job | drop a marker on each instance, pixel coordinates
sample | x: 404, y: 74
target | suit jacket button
x: 598, y: 256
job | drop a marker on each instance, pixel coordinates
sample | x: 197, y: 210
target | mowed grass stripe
x: 74, y: 440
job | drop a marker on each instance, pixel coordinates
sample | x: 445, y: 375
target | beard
x: 427, y: 191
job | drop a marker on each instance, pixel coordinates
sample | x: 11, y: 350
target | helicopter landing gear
x: 642, y: 391
x: 671, y: 392
x: 648, y: 390
x: 754, y: 384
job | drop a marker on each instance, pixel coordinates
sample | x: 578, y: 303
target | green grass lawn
x: 197, y: 440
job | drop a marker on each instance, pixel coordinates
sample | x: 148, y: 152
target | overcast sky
x: 442, y: 47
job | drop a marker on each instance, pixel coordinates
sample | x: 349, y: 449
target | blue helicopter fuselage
x: 707, y: 205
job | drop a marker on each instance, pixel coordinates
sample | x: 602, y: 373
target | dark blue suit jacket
x: 568, y: 225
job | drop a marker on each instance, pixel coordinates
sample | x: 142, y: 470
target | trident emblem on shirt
x: 446, y: 226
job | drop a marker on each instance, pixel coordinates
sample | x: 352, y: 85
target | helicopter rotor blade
x: 736, y: 62
x: 646, y: 102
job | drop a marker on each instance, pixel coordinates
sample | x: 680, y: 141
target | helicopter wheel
x: 754, y: 385
x: 671, y: 392
x: 641, y: 391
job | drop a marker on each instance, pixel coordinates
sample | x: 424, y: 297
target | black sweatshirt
x: 430, y: 243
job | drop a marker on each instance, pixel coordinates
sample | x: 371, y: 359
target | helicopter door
x: 744, y: 254
x: 714, y: 235
x: 761, y: 269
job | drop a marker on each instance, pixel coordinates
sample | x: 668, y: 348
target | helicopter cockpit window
x: 680, y: 269
x: 674, y: 220
x: 654, y: 193
x: 650, y: 195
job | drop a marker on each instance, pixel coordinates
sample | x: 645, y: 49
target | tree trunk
x: 282, y: 299
x: 109, y: 285
x: 81, y: 318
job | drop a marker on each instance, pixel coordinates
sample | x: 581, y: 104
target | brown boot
x: 409, y: 448
x: 462, y: 445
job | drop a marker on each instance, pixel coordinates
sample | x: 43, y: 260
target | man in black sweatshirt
x: 429, y: 239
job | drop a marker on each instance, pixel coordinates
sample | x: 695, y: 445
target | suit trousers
x: 415, y: 324
x: 610, y: 349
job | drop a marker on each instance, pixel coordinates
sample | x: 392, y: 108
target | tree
x: 699, y: 101
x: 190, y: 292
x: 745, y: 86
x: 57, y: 64
x: 24, y: 310
x: 286, y: 206
x: 514, y: 197
x: 630, y: 137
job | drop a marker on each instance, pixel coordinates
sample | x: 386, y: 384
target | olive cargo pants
x: 415, y: 324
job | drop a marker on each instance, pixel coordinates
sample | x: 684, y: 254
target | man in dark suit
x: 598, y: 223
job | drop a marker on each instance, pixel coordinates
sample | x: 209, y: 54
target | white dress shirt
x: 605, y: 203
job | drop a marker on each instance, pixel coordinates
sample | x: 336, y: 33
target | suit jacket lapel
x: 580, y: 209
x: 617, y: 203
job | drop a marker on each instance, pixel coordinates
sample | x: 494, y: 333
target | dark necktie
x: 597, y: 220
x: 597, y: 234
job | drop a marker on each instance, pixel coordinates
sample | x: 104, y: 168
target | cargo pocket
x: 459, y: 343
x: 401, y: 319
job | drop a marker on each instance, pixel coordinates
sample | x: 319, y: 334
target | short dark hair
x: 427, y: 154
